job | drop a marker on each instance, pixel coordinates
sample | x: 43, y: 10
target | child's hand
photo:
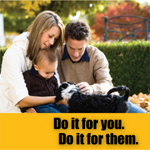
x: 31, y: 110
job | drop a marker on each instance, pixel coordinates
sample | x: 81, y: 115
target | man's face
x: 76, y: 48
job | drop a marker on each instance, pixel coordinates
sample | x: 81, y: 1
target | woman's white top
x: 12, y: 84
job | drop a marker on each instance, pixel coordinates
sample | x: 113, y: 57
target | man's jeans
x: 51, y: 108
x: 135, y: 109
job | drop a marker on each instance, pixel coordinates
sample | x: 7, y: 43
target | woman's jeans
x: 51, y: 108
x: 135, y: 109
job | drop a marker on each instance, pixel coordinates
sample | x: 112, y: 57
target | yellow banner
x: 75, y: 131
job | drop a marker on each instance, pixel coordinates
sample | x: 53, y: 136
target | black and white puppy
x: 95, y: 103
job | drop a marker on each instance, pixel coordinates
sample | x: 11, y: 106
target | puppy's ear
x: 58, y: 98
x: 58, y: 95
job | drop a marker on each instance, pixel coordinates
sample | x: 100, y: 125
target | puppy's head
x: 65, y: 91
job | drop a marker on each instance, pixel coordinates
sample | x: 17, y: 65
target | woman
x: 47, y: 31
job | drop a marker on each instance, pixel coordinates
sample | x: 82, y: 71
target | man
x: 83, y: 64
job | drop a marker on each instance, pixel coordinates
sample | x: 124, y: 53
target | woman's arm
x: 30, y: 101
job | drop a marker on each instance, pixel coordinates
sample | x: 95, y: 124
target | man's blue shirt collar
x: 85, y: 56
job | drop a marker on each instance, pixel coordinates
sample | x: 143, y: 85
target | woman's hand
x: 85, y: 87
x: 31, y: 110
x: 62, y: 102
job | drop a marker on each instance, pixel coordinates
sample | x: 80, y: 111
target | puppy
x: 95, y: 103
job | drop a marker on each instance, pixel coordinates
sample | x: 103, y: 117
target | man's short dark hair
x: 77, y: 30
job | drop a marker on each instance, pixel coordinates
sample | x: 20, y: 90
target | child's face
x: 45, y: 68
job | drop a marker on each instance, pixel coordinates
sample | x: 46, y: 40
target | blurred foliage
x: 123, y: 8
x: 18, y: 15
x: 16, y: 24
x: 32, y: 8
x: 129, y: 64
x: 15, y: 17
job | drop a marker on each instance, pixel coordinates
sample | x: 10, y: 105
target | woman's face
x: 49, y: 37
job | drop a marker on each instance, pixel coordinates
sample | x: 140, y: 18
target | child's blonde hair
x: 44, y: 55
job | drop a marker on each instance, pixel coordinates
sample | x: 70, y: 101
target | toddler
x: 40, y: 81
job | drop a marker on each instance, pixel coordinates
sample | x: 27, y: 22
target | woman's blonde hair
x: 44, y: 21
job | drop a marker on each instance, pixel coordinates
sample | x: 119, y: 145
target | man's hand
x: 31, y: 110
x: 85, y: 87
